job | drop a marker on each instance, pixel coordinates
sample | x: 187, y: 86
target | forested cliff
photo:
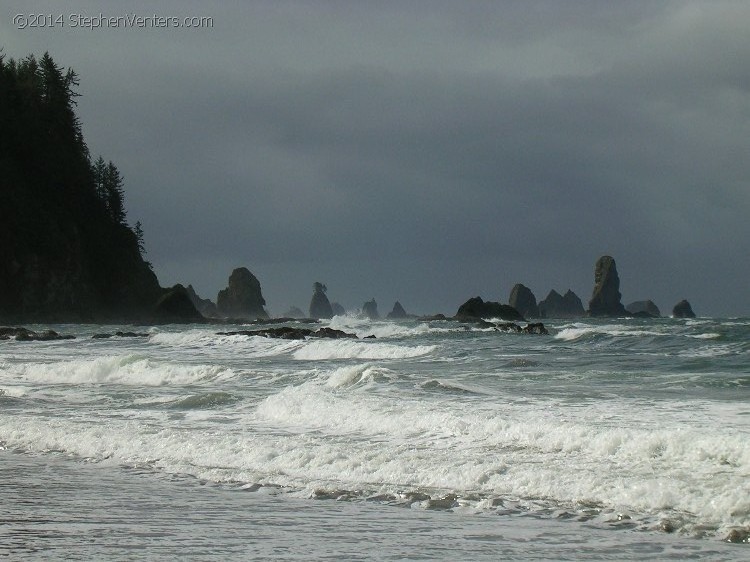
x: 67, y: 252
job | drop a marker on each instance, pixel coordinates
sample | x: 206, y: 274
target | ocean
x: 607, y: 439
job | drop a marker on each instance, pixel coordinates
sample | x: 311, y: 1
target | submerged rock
x: 370, y: 310
x: 320, y: 307
x: 683, y: 310
x: 561, y: 306
x: 477, y: 308
x: 605, y: 300
x: 524, y: 301
x: 644, y: 309
x: 242, y: 298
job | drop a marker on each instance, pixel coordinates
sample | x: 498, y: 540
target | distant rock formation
x: 559, y: 306
x: 175, y: 307
x: 319, y: 305
x: 524, y: 301
x: 294, y: 312
x: 370, y: 310
x: 605, y: 300
x: 643, y: 309
x: 397, y: 313
x: 242, y: 298
x: 337, y: 309
x: 683, y: 310
x: 477, y: 308
x: 205, y: 306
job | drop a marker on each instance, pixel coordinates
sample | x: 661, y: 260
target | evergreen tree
x: 112, y: 184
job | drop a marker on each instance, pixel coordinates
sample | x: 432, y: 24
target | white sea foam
x: 313, y: 435
x: 123, y: 369
x: 706, y: 336
x: 578, y: 331
x: 352, y: 349
x: 383, y: 328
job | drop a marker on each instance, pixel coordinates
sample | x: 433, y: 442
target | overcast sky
x: 425, y: 151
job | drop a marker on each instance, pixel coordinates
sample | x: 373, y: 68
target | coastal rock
x: 294, y: 312
x: 290, y: 333
x: 561, y: 306
x: 242, y: 298
x: 320, y: 307
x: 24, y: 334
x: 205, y: 306
x: 605, y: 300
x: 370, y: 310
x: 644, y: 309
x: 432, y: 318
x: 524, y: 301
x: 477, y: 308
x: 337, y: 309
x: 397, y: 313
x: 683, y: 310
x: 175, y: 307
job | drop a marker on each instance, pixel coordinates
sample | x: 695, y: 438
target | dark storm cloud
x: 429, y: 152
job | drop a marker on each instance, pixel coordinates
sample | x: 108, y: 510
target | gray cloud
x: 396, y: 151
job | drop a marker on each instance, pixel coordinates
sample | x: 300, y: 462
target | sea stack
x: 476, y: 308
x: 398, y: 312
x: 644, y: 309
x: 175, y: 307
x: 370, y: 310
x: 524, y: 301
x: 242, y: 298
x: 320, y: 307
x: 605, y: 300
x: 683, y: 310
x: 561, y: 306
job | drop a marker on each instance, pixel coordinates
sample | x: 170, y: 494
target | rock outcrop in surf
x: 175, y: 307
x: 524, y: 301
x: 477, y: 308
x: 561, y: 306
x: 605, y: 300
x: 320, y: 307
x: 370, y: 310
x: 643, y: 309
x: 242, y: 298
x: 683, y: 310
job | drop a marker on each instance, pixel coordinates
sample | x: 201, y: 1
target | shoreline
x: 59, y: 507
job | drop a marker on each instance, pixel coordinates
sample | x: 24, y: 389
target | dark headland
x: 70, y: 254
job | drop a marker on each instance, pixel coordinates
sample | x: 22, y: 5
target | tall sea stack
x: 605, y: 301
x: 320, y: 307
x: 524, y: 301
x: 242, y: 298
x: 683, y: 310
